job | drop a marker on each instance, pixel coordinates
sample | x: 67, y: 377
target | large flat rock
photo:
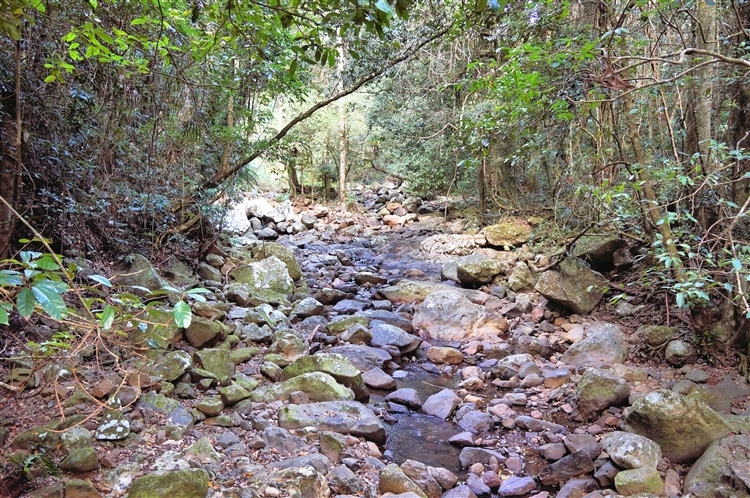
x: 345, y: 417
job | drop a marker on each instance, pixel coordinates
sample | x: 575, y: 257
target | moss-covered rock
x: 512, y: 232
x: 600, y: 389
x: 640, y: 480
x: 318, y: 386
x: 337, y: 366
x: 188, y: 483
x: 203, y: 332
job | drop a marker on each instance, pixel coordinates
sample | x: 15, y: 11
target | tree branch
x: 223, y: 175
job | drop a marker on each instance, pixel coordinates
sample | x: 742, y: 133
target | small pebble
x: 271, y: 492
x: 536, y: 414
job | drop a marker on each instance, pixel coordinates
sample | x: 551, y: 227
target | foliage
x: 38, y: 284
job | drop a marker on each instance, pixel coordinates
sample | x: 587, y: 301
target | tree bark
x: 649, y: 195
x: 340, y: 67
x: 10, y: 162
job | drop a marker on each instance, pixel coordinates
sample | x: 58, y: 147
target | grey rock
x: 405, y: 396
x: 363, y: 357
x: 600, y: 389
x: 446, y: 314
x: 583, y: 442
x: 441, y: 404
x: 345, y: 482
x: 384, y: 334
x: 376, y: 378
x: 317, y: 461
x: 630, y: 451
x: 679, y: 353
x: 722, y: 470
x: 569, y: 466
x: 335, y: 365
x: 682, y: 426
x: 517, y: 486
x: 573, y: 285
x: 469, y: 456
x: 604, y: 346
x: 576, y: 488
x: 346, y: 417
x: 476, y: 422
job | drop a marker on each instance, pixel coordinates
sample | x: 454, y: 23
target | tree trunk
x: 10, y: 162
x: 649, y: 195
x: 705, y: 34
x: 227, y: 153
x: 340, y: 66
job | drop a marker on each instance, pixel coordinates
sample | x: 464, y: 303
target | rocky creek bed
x: 382, y: 353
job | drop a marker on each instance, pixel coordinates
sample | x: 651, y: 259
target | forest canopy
x: 124, y: 122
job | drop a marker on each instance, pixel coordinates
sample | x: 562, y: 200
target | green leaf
x: 94, y: 3
x: 25, y: 303
x: 10, y: 277
x: 384, y: 6
x: 680, y: 298
x: 50, y: 78
x: 47, y: 262
x: 102, y: 280
x: 107, y: 317
x: 39, y: 5
x: 736, y: 264
x: 50, y: 300
x: 3, y: 317
x: 182, y: 314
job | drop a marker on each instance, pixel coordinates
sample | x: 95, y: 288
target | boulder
x: 304, y: 482
x: 257, y: 208
x: 656, y: 335
x: 318, y: 386
x: 453, y: 244
x: 631, y: 451
x: 289, y: 344
x: 477, y: 269
x: 573, y: 285
x: 384, y: 334
x: 173, y: 365
x: 268, y: 279
x: 511, y: 232
x: 597, y: 250
x: 393, y: 480
x: 344, y: 417
x: 604, y: 346
x: 218, y: 362
x: 187, y: 483
x: 263, y: 250
x: 337, y: 366
x: 722, y: 470
x: 410, y: 291
x: 203, y: 332
x: 448, y: 315
x: 600, y: 389
x: 363, y: 357
x: 137, y: 271
x: 522, y: 278
x: 682, y: 426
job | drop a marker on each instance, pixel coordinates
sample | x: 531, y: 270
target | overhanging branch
x: 223, y: 175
